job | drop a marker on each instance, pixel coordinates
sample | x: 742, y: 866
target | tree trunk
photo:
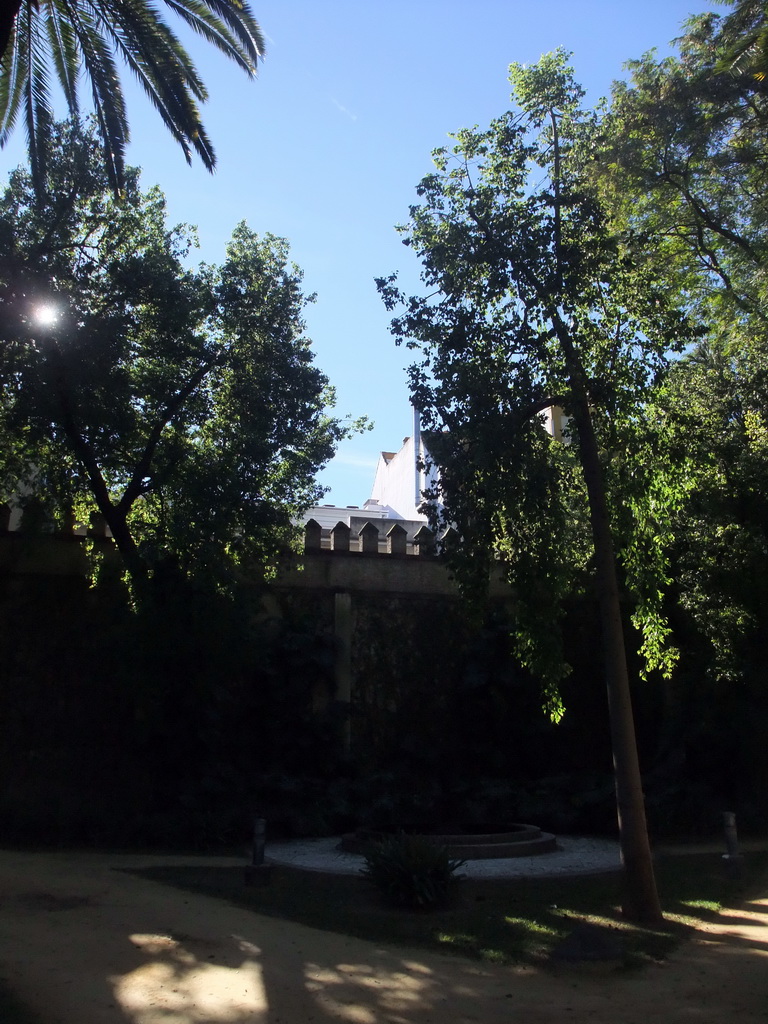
x: 115, y: 516
x: 640, y: 897
x: 126, y: 545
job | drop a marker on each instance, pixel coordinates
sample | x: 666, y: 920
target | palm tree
x: 87, y: 38
x: 745, y: 36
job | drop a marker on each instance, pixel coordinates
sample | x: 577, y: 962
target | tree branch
x: 136, y: 486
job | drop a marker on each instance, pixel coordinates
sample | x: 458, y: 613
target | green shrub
x: 411, y: 871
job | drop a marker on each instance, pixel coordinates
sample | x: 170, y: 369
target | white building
x: 396, y: 495
x: 399, y: 485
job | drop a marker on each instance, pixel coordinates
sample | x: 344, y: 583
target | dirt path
x: 82, y: 943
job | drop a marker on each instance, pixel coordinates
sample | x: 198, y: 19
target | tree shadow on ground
x: 505, y: 920
x: 89, y: 943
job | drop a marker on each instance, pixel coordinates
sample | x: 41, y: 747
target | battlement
x: 375, y: 537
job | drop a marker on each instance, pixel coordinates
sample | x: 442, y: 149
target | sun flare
x: 46, y: 315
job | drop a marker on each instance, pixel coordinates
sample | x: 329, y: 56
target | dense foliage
x: 182, y: 405
x: 682, y: 166
x: 534, y: 303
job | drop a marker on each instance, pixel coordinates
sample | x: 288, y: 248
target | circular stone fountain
x: 513, y: 841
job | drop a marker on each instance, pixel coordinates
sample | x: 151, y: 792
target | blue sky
x: 326, y: 147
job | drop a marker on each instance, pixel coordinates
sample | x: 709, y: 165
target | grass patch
x: 497, y: 921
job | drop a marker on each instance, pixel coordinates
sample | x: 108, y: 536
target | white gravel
x: 574, y: 856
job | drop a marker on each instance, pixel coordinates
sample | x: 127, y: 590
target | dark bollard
x: 259, y: 839
x: 257, y: 872
x: 734, y: 861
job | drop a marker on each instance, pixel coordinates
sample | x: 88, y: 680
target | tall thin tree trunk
x: 640, y: 898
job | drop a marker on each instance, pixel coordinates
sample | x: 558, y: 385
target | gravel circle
x: 574, y: 856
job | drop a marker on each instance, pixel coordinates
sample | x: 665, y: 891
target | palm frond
x: 178, y: 111
x: 237, y: 14
x: 13, y: 72
x: 135, y: 30
x: 168, y: 77
x: 85, y: 37
x: 747, y: 54
x: 64, y: 53
x: 228, y: 25
x: 108, y: 100
x: 39, y: 116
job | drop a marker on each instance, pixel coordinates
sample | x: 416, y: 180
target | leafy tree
x: 75, y: 39
x: 712, y: 426
x: 682, y: 167
x: 746, y: 36
x: 183, y: 405
x: 533, y: 303
x: 684, y: 170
